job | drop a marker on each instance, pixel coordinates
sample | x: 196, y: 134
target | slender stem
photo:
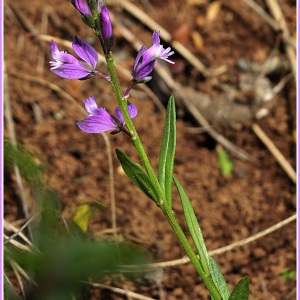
x: 122, y: 103
x: 207, y: 278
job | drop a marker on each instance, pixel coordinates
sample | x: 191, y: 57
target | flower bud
x: 85, y: 11
x: 106, y: 28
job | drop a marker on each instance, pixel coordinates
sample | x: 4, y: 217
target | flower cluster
x: 95, y: 14
x: 99, y: 120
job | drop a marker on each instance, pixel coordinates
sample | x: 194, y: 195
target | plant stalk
x: 122, y: 103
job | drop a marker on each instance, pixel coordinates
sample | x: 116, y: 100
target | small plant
x: 157, y: 187
x: 287, y: 274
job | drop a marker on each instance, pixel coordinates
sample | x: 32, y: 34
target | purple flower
x: 145, y: 60
x: 99, y: 120
x: 106, y: 28
x: 67, y: 66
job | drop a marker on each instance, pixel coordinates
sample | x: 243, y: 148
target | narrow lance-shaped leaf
x: 241, y: 290
x: 137, y: 175
x: 193, y: 227
x: 167, y: 152
x: 218, y: 278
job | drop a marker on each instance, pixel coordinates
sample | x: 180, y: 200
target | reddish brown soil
x: 255, y: 197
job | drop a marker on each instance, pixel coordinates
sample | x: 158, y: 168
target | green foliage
x: 9, y: 293
x: 167, y: 152
x: 193, y: 226
x: 30, y: 170
x: 138, y: 176
x: 61, y: 258
x: 225, y: 163
x: 218, y: 278
x: 287, y: 274
x: 241, y: 290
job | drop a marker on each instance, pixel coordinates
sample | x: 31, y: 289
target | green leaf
x: 137, y: 175
x: 30, y: 167
x: 167, y: 152
x: 287, y: 274
x: 218, y: 278
x: 82, y: 216
x: 193, y: 227
x: 225, y: 163
x: 241, y: 290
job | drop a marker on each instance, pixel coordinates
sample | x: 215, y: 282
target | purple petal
x: 101, y: 122
x: 72, y: 71
x: 85, y: 51
x: 145, y: 69
x: 60, y: 57
x: 132, y: 110
x: 137, y: 61
x: 164, y: 54
x: 155, y: 37
x: 90, y: 105
x: 119, y: 115
x: 151, y: 52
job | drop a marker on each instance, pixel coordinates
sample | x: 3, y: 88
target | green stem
x: 167, y: 211
x: 122, y: 103
x: 207, y: 278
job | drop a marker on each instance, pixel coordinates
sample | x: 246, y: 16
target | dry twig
x: 120, y: 291
x: 221, y: 250
x: 275, y: 152
x: 165, y: 35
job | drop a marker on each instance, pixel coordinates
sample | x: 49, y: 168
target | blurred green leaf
x: 63, y: 257
x: 287, y: 274
x: 167, y: 152
x: 82, y: 216
x: 27, y: 163
x: 241, y: 290
x: 9, y: 293
x: 65, y: 263
x: 193, y: 226
x: 137, y: 175
x: 218, y: 278
x: 225, y: 163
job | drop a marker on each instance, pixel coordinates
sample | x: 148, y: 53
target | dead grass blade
x: 285, y: 165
